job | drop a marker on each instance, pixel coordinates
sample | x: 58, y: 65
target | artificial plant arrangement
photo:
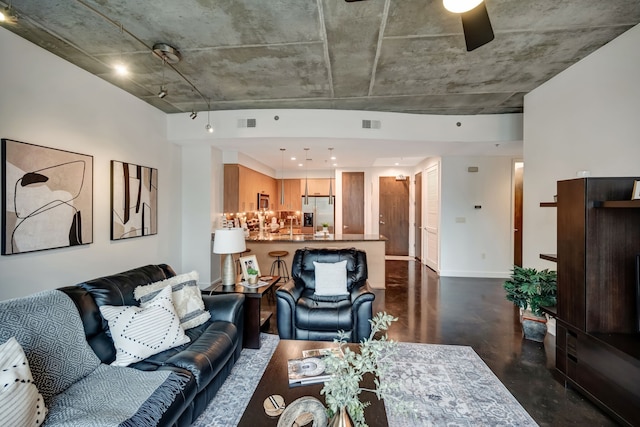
x: 343, y: 389
x: 532, y: 289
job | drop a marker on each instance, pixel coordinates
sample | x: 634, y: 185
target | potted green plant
x: 325, y: 227
x: 530, y: 290
x: 252, y: 276
x: 342, y: 390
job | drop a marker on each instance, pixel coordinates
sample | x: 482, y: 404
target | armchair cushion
x: 331, y: 278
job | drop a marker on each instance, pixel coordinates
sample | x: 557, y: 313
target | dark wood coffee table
x: 275, y: 381
x: 254, y: 317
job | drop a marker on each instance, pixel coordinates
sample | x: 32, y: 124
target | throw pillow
x: 331, y: 278
x: 187, y: 299
x: 140, y: 332
x: 20, y: 402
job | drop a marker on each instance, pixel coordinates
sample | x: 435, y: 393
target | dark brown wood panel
x: 418, y: 213
x: 517, y: 216
x: 231, y: 188
x: 394, y: 214
x: 353, y: 202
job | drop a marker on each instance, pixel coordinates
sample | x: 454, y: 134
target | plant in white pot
x: 252, y: 276
x: 530, y: 290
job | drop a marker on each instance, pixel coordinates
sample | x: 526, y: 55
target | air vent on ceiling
x: 246, y: 123
x: 371, y: 124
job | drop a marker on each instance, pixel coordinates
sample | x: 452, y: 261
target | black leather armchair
x: 303, y: 315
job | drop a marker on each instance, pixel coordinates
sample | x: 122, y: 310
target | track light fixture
x: 163, y: 92
x: 8, y: 15
x: 193, y: 115
x: 208, y: 127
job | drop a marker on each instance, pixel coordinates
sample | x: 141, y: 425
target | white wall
x: 476, y: 242
x: 585, y: 118
x: 45, y: 100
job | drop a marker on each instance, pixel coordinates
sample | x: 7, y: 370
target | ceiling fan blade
x: 477, y: 27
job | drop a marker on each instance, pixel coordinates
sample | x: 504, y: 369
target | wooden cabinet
x: 597, y: 341
x: 242, y: 186
x: 292, y: 195
x: 316, y: 186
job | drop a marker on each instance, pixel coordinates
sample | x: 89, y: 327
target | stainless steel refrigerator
x: 317, y: 212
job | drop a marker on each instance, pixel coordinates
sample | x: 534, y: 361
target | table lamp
x: 229, y: 241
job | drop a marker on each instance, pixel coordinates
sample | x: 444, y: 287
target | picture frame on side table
x: 246, y: 262
x: 635, y: 195
x: 134, y: 200
x: 47, y: 198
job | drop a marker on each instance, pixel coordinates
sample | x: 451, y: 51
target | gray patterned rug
x: 450, y: 385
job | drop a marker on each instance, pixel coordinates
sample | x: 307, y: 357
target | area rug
x: 448, y: 386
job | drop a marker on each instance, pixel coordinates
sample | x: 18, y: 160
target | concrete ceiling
x: 377, y: 55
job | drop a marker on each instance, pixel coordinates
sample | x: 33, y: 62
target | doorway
x: 418, y: 217
x: 394, y: 214
x: 353, y: 202
x: 518, y: 190
x: 432, y: 218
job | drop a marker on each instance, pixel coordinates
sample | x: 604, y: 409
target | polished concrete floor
x: 474, y: 312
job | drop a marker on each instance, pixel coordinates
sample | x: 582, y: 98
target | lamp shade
x: 229, y: 241
x: 460, y: 6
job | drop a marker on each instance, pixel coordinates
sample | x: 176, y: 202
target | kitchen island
x: 374, y: 245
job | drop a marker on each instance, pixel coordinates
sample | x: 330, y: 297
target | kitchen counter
x: 270, y: 237
x: 373, y: 245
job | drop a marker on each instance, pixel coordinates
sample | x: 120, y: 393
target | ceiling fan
x: 476, y: 25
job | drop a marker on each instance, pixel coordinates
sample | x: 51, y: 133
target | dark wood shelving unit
x: 597, y: 339
x: 548, y: 204
x: 549, y: 257
x: 624, y: 204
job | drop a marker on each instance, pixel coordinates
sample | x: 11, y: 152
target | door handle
x: 345, y: 226
x: 382, y: 222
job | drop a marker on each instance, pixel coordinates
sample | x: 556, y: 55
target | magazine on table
x: 311, y: 367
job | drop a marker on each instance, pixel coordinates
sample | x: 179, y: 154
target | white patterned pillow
x: 187, y: 299
x: 331, y: 278
x: 140, y: 332
x: 20, y: 402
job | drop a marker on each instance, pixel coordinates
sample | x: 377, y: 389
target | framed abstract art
x: 47, y: 198
x: 134, y: 200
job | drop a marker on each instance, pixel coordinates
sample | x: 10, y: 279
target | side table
x: 253, y: 317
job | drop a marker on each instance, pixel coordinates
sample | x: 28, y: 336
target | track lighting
x: 460, y: 6
x: 8, y: 15
x: 208, y: 127
x: 193, y: 115
x: 163, y: 92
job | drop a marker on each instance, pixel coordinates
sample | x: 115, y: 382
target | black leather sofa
x: 303, y: 315
x: 206, y: 360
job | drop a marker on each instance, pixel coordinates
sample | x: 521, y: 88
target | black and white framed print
x: 134, y: 200
x: 47, y: 198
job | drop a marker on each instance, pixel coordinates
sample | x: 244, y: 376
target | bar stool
x: 279, y: 266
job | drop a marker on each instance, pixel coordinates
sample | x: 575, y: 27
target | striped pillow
x: 187, y: 299
x: 20, y: 402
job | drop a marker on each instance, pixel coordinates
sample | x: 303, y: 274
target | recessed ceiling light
x: 460, y: 6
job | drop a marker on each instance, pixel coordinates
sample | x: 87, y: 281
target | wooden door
x: 394, y: 214
x: 432, y: 218
x: 418, y: 215
x: 517, y: 214
x: 353, y: 202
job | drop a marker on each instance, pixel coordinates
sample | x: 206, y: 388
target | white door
x: 431, y: 240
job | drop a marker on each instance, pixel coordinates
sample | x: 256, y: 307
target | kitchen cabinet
x: 242, y: 186
x: 317, y: 186
x: 292, y: 195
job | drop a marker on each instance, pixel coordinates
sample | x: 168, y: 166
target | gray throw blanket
x: 77, y: 388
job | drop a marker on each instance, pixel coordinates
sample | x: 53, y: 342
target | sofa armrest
x: 228, y: 307
x: 361, y: 294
